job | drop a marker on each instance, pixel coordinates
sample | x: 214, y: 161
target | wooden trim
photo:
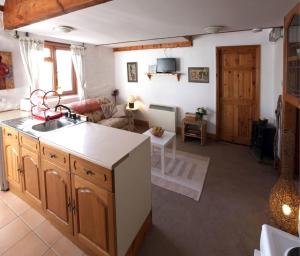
x: 21, y: 13
x: 142, y: 123
x: 140, y: 237
x: 154, y: 46
x: 53, y: 46
x: 218, y: 83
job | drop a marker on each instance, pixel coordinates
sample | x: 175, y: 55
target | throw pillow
x: 120, y: 111
x: 107, y: 110
x: 97, y: 116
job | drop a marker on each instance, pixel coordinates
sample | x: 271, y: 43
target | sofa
x: 102, y: 111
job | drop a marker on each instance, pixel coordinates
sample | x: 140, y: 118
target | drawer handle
x: 89, y: 172
x: 52, y: 155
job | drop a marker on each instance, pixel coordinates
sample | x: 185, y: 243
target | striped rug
x: 185, y: 175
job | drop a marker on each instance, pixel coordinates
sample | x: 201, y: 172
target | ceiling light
x: 256, y: 30
x: 213, y: 29
x: 63, y: 29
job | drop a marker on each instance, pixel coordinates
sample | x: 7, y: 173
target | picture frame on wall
x: 198, y: 74
x: 132, y: 72
x: 6, y: 71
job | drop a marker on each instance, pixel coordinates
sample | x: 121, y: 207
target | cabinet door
x: 93, y: 214
x: 12, y: 165
x: 31, y: 176
x: 57, y: 195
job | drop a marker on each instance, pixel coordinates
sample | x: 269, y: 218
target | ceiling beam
x: 21, y: 13
x: 154, y: 46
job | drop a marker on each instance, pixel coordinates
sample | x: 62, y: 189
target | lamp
x: 284, y: 199
x: 131, y: 100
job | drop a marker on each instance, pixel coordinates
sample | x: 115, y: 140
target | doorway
x: 238, y: 92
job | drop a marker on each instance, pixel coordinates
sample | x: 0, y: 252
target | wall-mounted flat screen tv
x: 166, y: 65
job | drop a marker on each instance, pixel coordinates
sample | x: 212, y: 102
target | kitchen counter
x: 11, y: 114
x: 96, y: 143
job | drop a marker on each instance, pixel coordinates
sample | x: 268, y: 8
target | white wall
x: 99, y: 71
x: 188, y: 96
x: 10, y: 98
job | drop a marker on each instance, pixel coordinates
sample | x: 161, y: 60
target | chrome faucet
x: 65, y: 107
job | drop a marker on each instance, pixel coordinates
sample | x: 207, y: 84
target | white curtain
x: 32, y: 57
x: 78, y: 53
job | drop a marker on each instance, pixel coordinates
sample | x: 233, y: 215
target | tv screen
x: 166, y: 65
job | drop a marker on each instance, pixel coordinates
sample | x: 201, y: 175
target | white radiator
x: 164, y: 116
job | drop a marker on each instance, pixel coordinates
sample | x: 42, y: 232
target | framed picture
x: 198, y: 75
x: 132, y: 71
x: 6, y: 71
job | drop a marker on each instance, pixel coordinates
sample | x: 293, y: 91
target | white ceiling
x: 130, y: 20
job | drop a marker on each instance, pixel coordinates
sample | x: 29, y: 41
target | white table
x: 162, y: 143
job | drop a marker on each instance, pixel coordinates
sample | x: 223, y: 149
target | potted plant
x: 201, y: 111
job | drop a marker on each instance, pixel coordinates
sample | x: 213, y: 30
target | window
x: 58, y: 73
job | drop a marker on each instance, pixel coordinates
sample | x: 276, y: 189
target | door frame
x: 219, y: 82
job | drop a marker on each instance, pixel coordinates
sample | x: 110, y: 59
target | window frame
x: 53, y: 46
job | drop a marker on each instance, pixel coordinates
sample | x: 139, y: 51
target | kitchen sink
x: 51, y: 125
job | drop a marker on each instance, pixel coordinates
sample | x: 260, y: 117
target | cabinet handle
x: 69, y: 204
x: 52, y: 155
x: 74, y: 207
x: 89, y: 172
x: 9, y: 134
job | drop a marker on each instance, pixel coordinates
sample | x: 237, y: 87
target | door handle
x: 74, y: 207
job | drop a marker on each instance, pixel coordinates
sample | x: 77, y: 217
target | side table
x: 194, y: 128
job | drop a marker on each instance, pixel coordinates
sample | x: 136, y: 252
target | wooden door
x: 93, y: 215
x: 12, y: 165
x: 57, y: 195
x: 31, y: 176
x: 237, y: 92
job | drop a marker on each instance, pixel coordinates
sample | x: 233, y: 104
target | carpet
x: 184, y: 175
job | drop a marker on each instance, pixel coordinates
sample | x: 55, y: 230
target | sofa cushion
x: 108, y: 109
x: 97, y: 116
x: 119, y: 122
x: 86, y: 106
x: 120, y: 111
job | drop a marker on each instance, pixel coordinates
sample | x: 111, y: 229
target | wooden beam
x: 154, y: 46
x: 21, y: 13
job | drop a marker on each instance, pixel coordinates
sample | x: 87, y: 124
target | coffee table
x: 162, y: 143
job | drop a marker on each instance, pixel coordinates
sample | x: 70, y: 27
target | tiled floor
x: 24, y: 232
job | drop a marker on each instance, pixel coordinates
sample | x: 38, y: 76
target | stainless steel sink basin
x: 51, y: 125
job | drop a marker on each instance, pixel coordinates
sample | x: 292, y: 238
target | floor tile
x: 64, y: 247
x: 32, y: 218
x: 7, y: 196
x: 50, y: 253
x: 6, y: 215
x: 17, y: 205
x: 12, y: 233
x: 47, y: 232
x: 30, y: 245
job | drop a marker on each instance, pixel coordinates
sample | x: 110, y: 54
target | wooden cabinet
x: 11, y: 158
x: 57, y: 201
x: 93, y: 214
x: 292, y: 57
x: 30, y: 173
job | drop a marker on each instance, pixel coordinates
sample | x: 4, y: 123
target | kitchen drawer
x: 10, y: 135
x: 29, y: 143
x: 55, y: 156
x: 93, y: 173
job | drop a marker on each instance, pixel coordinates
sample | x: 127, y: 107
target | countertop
x: 96, y: 143
x: 11, y: 114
